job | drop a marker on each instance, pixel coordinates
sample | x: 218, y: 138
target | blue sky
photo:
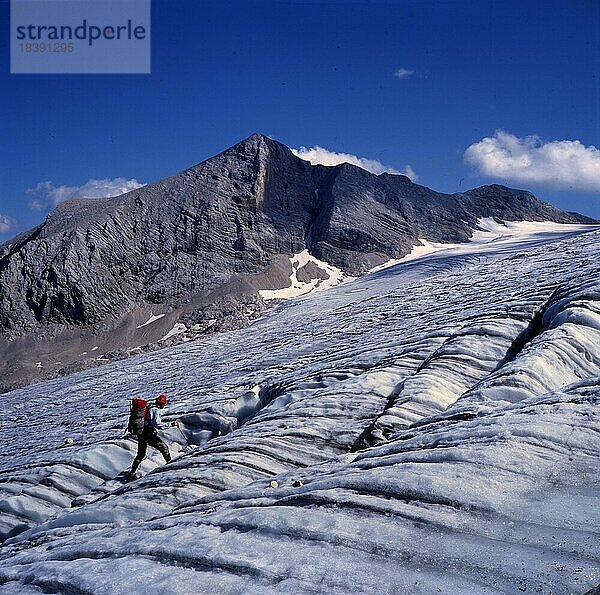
x: 323, y: 73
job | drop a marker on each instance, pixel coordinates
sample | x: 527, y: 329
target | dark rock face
x: 220, y: 228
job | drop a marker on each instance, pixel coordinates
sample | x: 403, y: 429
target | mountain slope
x: 191, y: 252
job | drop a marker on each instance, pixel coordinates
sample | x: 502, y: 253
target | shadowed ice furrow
x: 566, y: 350
x: 465, y: 358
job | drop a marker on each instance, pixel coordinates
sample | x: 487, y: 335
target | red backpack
x: 138, y: 413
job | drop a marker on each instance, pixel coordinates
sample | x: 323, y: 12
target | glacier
x: 432, y: 427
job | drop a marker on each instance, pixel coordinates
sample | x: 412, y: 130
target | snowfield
x: 432, y: 427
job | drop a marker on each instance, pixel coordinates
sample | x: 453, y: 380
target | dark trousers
x: 145, y: 439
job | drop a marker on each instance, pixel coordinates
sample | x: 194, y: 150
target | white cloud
x: 6, y: 223
x: 403, y: 73
x: 559, y: 164
x: 319, y: 156
x: 410, y: 172
x: 46, y: 195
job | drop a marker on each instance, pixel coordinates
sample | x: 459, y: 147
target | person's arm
x: 155, y: 421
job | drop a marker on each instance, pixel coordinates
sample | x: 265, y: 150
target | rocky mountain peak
x: 198, y: 246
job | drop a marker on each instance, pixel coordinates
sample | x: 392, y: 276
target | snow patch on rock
x: 153, y: 318
x: 328, y: 277
x: 178, y: 329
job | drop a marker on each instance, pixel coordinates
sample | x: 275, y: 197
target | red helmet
x: 161, y: 400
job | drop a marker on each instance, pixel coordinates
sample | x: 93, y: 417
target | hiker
x: 149, y: 435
